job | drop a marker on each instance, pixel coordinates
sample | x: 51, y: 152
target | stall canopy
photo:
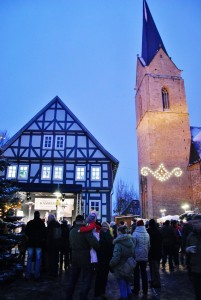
x: 169, y: 217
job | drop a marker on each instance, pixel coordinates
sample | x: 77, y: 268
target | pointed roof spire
x: 151, y: 40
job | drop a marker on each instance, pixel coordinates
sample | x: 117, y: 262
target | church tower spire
x: 151, y: 40
x: 163, y: 129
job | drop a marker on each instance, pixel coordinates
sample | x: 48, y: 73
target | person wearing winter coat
x: 53, y: 244
x: 123, y: 249
x: 187, y: 228
x: 36, y: 233
x: 64, y: 246
x: 104, y: 256
x: 155, y: 253
x: 178, y: 242
x: 168, y: 244
x: 80, y: 243
x: 141, y: 241
x: 193, y: 248
x: 93, y: 226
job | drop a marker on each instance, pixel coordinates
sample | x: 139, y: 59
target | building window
x: 95, y: 205
x: 80, y: 173
x: 46, y: 172
x: 165, y: 99
x: 95, y: 173
x: 47, y: 142
x: 11, y: 172
x: 23, y: 172
x: 58, y: 172
x: 59, y: 142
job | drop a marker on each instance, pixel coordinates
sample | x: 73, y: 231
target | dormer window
x: 165, y: 98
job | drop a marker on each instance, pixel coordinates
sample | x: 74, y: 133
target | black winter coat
x: 168, y: 236
x: 81, y: 243
x: 105, y: 250
x: 36, y: 233
x: 155, y: 251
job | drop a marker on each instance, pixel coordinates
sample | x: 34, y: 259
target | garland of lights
x: 161, y: 173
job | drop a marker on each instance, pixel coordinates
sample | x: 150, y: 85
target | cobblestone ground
x: 175, y: 286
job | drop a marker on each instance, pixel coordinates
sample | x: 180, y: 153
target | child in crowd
x: 92, y: 226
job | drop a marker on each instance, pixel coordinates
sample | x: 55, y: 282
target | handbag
x: 127, y: 268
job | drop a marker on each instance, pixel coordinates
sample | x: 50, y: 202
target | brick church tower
x: 163, y: 130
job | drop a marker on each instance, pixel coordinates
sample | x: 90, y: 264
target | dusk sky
x: 85, y: 52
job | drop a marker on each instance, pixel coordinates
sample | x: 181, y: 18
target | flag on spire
x: 151, y: 40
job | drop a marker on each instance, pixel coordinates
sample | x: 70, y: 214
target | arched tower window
x: 165, y: 98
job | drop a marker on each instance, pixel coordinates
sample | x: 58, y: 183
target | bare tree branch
x: 124, y: 194
x: 4, y: 137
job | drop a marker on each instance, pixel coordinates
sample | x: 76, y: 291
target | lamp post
x: 163, y: 212
x: 185, y: 207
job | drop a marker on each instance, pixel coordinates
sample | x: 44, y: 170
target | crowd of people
x: 90, y: 250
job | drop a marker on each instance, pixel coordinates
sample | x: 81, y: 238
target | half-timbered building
x: 60, y: 166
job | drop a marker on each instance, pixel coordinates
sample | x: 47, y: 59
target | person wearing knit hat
x: 141, y: 241
x: 92, y: 217
x: 140, y: 223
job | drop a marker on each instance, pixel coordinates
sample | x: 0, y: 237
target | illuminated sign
x: 45, y: 204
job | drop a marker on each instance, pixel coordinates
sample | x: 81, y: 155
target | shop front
x: 65, y: 201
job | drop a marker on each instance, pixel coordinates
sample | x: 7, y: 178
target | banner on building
x: 45, y: 204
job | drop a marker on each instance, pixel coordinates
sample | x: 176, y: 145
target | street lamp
x: 163, y: 212
x: 185, y: 207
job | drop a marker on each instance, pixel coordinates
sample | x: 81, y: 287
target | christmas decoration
x: 162, y: 174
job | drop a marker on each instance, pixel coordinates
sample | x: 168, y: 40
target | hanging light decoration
x: 162, y: 174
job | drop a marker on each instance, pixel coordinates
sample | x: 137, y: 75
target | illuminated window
x: 11, y: 172
x: 80, y: 173
x: 23, y: 172
x: 58, y: 172
x: 95, y: 173
x: 59, y: 142
x: 47, y: 142
x: 46, y: 172
x: 165, y: 98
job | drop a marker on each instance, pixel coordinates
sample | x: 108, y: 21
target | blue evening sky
x: 85, y: 52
